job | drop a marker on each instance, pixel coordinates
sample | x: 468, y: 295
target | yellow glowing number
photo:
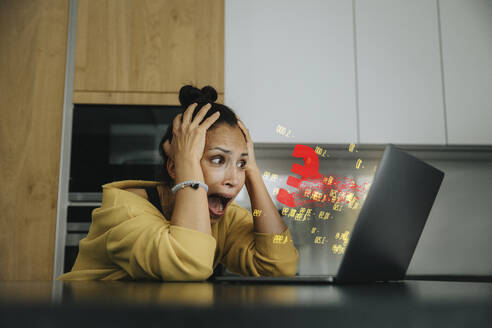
x: 292, y: 212
x: 354, y: 204
x: 351, y: 147
x: 318, y: 150
x: 313, y: 230
x: 333, y: 195
x: 317, y: 196
x: 321, y: 214
x: 277, y: 239
x: 285, y: 210
x: 327, y: 215
x: 281, y: 129
x: 298, y: 217
x: 358, y: 164
x: 337, y: 207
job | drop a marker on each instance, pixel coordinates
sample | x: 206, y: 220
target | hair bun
x: 190, y: 94
x: 208, y: 92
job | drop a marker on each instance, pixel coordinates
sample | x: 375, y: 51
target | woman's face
x: 223, y: 165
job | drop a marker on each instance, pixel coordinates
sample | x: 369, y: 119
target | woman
x: 182, y: 227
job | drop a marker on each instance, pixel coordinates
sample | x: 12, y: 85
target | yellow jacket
x: 130, y: 239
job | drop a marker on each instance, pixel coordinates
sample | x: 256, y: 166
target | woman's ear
x: 170, y: 168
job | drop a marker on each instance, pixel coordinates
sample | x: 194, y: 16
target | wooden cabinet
x: 143, y: 52
x: 467, y: 62
x: 33, y: 35
x: 399, y: 72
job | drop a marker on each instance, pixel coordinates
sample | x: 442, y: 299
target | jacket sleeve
x: 251, y: 253
x: 147, y: 247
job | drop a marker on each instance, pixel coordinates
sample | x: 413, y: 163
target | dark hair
x: 187, y: 96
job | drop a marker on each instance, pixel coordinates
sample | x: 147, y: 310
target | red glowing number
x: 307, y: 171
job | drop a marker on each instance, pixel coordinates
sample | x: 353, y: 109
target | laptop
x: 388, y: 226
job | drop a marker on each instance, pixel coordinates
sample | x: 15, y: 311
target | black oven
x: 109, y: 143
x: 115, y: 142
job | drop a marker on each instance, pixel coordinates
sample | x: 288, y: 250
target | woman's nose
x: 232, y: 176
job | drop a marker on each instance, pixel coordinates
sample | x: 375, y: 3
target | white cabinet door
x: 291, y: 63
x: 399, y: 72
x: 466, y: 27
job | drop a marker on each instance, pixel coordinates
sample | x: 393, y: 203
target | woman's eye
x: 242, y: 164
x: 216, y: 160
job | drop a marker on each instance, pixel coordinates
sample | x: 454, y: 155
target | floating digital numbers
x: 343, y: 237
x: 358, y: 164
x: 279, y: 239
x: 257, y: 212
x: 317, y: 198
x: 351, y: 148
x: 319, y: 240
x: 321, y: 152
x: 338, y: 249
x: 282, y: 130
x: 301, y: 214
x: 324, y: 215
x: 267, y: 175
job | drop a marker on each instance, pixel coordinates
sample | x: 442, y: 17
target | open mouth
x: 217, y: 204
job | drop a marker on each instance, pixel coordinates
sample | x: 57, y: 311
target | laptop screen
x: 321, y: 212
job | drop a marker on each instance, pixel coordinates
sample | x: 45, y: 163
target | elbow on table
x: 289, y: 267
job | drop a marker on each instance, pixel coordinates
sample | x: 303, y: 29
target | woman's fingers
x: 177, y: 123
x: 200, y: 115
x: 244, y: 129
x: 210, y: 120
x: 188, y: 113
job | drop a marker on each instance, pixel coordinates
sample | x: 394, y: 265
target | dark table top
x: 203, y: 304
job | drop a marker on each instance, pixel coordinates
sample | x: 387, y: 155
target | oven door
x: 115, y: 142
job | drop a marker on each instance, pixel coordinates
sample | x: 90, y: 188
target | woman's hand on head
x: 189, y: 135
x: 249, y: 143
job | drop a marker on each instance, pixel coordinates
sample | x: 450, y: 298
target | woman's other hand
x: 189, y: 135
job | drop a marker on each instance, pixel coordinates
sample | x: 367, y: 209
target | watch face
x: 195, y: 186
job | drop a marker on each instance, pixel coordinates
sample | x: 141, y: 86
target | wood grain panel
x: 149, y: 46
x: 32, y: 61
x: 130, y: 98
